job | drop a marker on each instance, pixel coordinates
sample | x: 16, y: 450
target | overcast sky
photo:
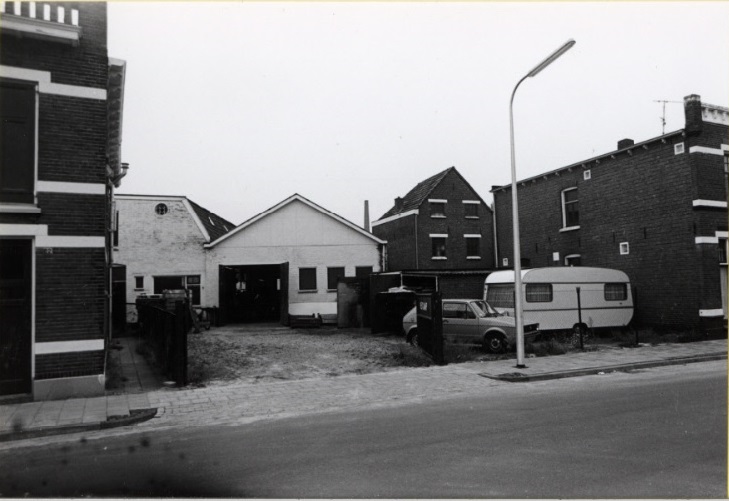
x: 240, y: 105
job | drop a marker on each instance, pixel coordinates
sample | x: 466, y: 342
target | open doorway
x: 253, y: 293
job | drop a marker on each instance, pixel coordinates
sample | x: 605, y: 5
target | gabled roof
x: 422, y: 190
x: 284, y: 203
x: 210, y: 224
x: 215, y: 225
x: 416, y: 196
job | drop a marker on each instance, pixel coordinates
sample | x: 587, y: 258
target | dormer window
x: 437, y: 208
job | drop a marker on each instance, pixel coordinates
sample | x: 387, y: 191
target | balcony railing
x: 46, y: 21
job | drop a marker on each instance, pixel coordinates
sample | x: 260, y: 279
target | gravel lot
x: 271, y: 352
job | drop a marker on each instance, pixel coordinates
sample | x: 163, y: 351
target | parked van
x: 550, y: 297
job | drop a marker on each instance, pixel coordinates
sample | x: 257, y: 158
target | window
x: 573, y: 260
x: 616, y: 292
x: 333, y: 276
x: 115, y: 230
x: 190, y: 283
x: 161, y: 209
x: 457, y: 310
x: 307, y: 279
x: 538, y: 293
x: 363, y: 271
x: 473, y: 246
x: 722, y: 250
x: 470, y: 209
x: 624, y: 248
x: 17, y: 143
x: 570, y: 208
x: 438, y: 243
x: 139, y: 282
x: 437, y: 208
x: 500, y: 295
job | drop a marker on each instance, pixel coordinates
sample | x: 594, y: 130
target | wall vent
x: 678, y: 148
x: 587, y: 175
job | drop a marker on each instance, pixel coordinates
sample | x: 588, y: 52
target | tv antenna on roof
x: 663, y: 117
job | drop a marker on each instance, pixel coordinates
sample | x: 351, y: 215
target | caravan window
x: 500, y: 295
x: 539, y: 293
x: 616, y: 292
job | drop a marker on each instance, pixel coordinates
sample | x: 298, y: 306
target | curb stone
x: 135, y: 416
x: 518, y: 377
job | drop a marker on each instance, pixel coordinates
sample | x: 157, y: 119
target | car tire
x: 494, y: 343
x: 413, y: 337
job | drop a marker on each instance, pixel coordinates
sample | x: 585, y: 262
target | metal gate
x: 430, y: 325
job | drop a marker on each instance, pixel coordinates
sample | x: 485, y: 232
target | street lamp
x: 518, y: 308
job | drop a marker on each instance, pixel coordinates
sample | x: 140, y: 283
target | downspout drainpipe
x: 496, y: 235
x: 417, y: 260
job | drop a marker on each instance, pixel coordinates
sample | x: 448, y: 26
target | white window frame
x: 624, y: 248
x: 437, y: 201
x: 444, y: 236
x: 564, y: 211
x: 474, y: 236
x: 471, y: 202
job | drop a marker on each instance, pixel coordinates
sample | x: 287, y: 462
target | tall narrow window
x: 570, y: 208
x: 17, y: 143
x: 473, y: 246
x: 307, y: 279
x: 333, y: 276
x: 438, y: 243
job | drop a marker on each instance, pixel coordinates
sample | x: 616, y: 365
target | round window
x: 161, y: 209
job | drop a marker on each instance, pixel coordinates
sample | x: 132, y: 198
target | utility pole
x: 663, y: 116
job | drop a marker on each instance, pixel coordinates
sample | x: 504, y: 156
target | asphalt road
x: 655, y: 433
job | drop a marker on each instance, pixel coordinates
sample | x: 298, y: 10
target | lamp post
x: 518, y: 307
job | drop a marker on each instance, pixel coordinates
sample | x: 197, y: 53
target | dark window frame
x: 307, y: 277
x: 471, y: 241
x: 616, y: 291
x: 539, y: 293
x: 334, y: 273
x: 436, y: 245
x: 18, y: 164
x: 438, y: 209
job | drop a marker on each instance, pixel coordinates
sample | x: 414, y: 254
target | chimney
x: 625, y: 143
x: 398, y: 204
x: 367, y: 215
x: 692, y: 111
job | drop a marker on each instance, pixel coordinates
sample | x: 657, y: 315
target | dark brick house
x: 444, y: 228
x: 656, y: 210
x: 60, y: 104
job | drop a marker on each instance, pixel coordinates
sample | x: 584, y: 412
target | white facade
x: 154, y: 243
x: 304, y: 235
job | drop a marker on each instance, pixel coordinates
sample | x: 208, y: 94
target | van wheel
x: 413, y: 337
x: 494, y: 343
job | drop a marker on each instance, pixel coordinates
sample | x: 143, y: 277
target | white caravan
x: 549, y: 296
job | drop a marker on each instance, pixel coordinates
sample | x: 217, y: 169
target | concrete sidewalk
x: 241, y: 403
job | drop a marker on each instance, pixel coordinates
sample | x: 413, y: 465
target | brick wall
x: 401, y: 241
x: 643, y: 199
x: 72, y: 214
x: 400, y: 237
x: 69, y: 294
x: 85, y: 363
x: 72, y: 139
x: 85, y: 65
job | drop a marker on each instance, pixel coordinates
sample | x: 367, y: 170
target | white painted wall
x: 155, y: 245
x: 303, y: 237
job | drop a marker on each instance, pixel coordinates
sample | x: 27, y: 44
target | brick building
x: 441, y: 227
x: 158, y: 245
x: 60, y: 103
x: 656, y: 210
